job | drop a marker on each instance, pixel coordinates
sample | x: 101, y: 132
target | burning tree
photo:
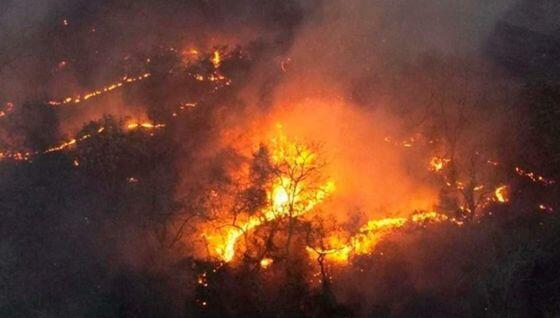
x: 285, y: 182
x: 122, y: 203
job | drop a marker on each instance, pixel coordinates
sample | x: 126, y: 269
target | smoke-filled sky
x: 357, y: 67
x: 334, y: 37
x: 429, y: 24
x: 347, y: 53
x: 378, y: 89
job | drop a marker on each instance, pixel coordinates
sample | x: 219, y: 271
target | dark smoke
x: 109, y: 227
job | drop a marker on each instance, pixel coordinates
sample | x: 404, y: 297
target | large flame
x: 287, y: 197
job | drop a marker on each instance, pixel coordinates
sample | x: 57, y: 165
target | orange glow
x: 26, y: 156
x: 373, y: 172
x: 369, y: 235
x: 280, y: 195
x: 286, y: 198
x: 438, y: 163
x: 216, y: 59
x: 62, y: 146
x: 533, y: 176
x: 18, y: 156
x: 80, y: 98
x: 146, y: 125
x: 266, y: 262
x: 501, y: 194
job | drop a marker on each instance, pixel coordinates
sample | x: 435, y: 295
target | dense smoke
x: 134, y: 134
x: 363, y: 72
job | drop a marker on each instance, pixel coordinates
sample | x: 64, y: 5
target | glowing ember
x: 369, y: 235
x: 26, y: 156
x: 276, y: 210
x: 438, y: 163
x: 545, y: 208
x: 18, y: 156
x: 216, y: 59
x: 7, y: 109
x: 501, y: 194
x: 534, y: 177
x: 132, y: 180
x: 406, y: 143
x: 145, y: 125
x: 184, y: 106
x: 62, y: 64
x: 202, y: 280
x: 266, y: 262
x: 62, y: 146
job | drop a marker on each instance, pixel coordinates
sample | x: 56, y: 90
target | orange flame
x: 266, y: 262
x: 145, y: 125
x: 216, y: 59
x: 501, y: 194
x: 80, y: 98
x: 369, y: 235
x: 286, y: 198
x: 438, y: 163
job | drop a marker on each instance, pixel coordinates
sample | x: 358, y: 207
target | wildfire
x: 369, y: 235
x: 8, y: 108
x: 18, y: 156
x: 534, y: 177
x: 202, y: 280
x: 216, y: 59
x: 406, y: 143
x: 214, y: 76
x: 80, y: 98
x: 26, y: 155
x: 266, y: 262
x: 145, y: 125
x: 287, y: 197
x: 277, y: 209
x: 64, y: 145
x: 501, y: 194
x: 438, y: 163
